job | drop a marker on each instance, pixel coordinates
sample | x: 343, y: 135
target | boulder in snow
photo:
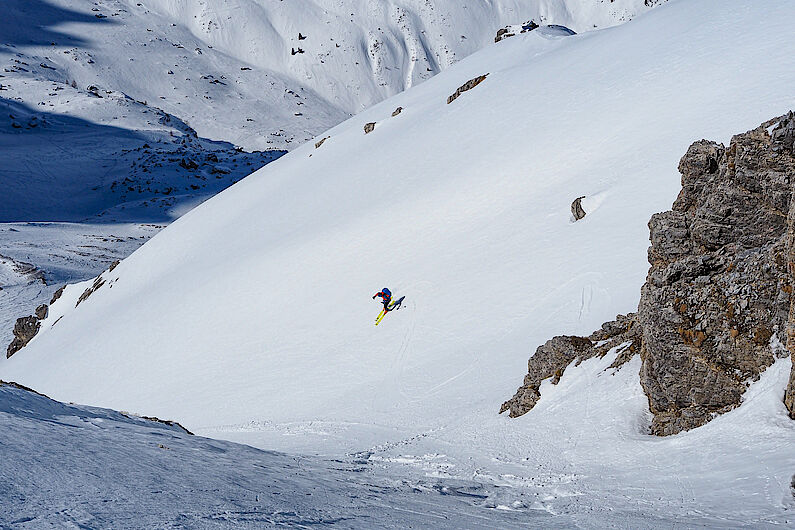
x: 24, y: 330
x: 469, y: 85
x: 576, y: 208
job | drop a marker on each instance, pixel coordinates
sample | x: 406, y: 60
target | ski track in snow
x: 93, y: 468
x: 235, y: 345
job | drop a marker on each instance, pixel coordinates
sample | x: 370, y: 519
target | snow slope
x: 101, y: 101
x: 227, y: 67
x: 249, y: 317
x: 75, y: 466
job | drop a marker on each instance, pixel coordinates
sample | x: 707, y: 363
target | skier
x: 389, y: 305
x: 386, y: 295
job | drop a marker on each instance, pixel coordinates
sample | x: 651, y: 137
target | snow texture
x: 85, y: 467
x: 249, y: 318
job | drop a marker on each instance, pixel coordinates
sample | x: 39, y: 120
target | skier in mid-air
x: 386, y: 298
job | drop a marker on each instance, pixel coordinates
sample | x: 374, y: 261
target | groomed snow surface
x: 250, y: 317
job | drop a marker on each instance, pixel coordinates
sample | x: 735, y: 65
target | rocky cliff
x: 716, y: 307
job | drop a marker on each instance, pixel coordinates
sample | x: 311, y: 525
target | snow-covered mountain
x: 250, y: 318
x: 264, y: 75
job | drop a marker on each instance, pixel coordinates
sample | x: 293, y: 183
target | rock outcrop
x: 551, y: 359
x: 510, y: 31
x: 98, y: 282
x: 369, y: 127
x: 576, y: 208
x: 717, y: 297
x: 717, y: 305
x: 24, y: 330
x: 57, y: 294
x: 784, y: 139
x: 469, y: 85
x: 42, y: 311
x: 27, y: 327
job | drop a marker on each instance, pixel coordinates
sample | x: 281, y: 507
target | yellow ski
x: 394, y: 304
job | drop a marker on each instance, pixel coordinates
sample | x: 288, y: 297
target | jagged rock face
x: 717, y: 296
x: 784, y: 141
x: 551, y: 359
x: 24, y: 330
x: 717, y: 301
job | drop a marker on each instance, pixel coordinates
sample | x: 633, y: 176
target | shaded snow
x: 89, y: 467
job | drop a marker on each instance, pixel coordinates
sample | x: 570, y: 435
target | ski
x: 395, y: 304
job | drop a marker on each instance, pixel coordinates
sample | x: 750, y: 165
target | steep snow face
x: 251, y: 315
x: 268, y: 74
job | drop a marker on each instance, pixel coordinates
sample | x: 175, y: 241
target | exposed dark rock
x: 57, y: 295
x: 469, y: 85
x: 718, y: 289
x: 42, y: 311
x: 783, y: 135
x: 503, y: 33
x: 114, y: 265
x: 717, y: 299
x: 551, y: 359
x: 576, y: 208
x: 99, y: 282
x: 187, y: 163
x: 397, y: 111
x: 320, y: 142
x: 510, y: 31
x: 368, y: 127
x: 24, y: 330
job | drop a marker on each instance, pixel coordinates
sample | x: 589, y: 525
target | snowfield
x: 232, y: 69
x: 130, y: 113
x: 85, y: 467
x: 250, y: 319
